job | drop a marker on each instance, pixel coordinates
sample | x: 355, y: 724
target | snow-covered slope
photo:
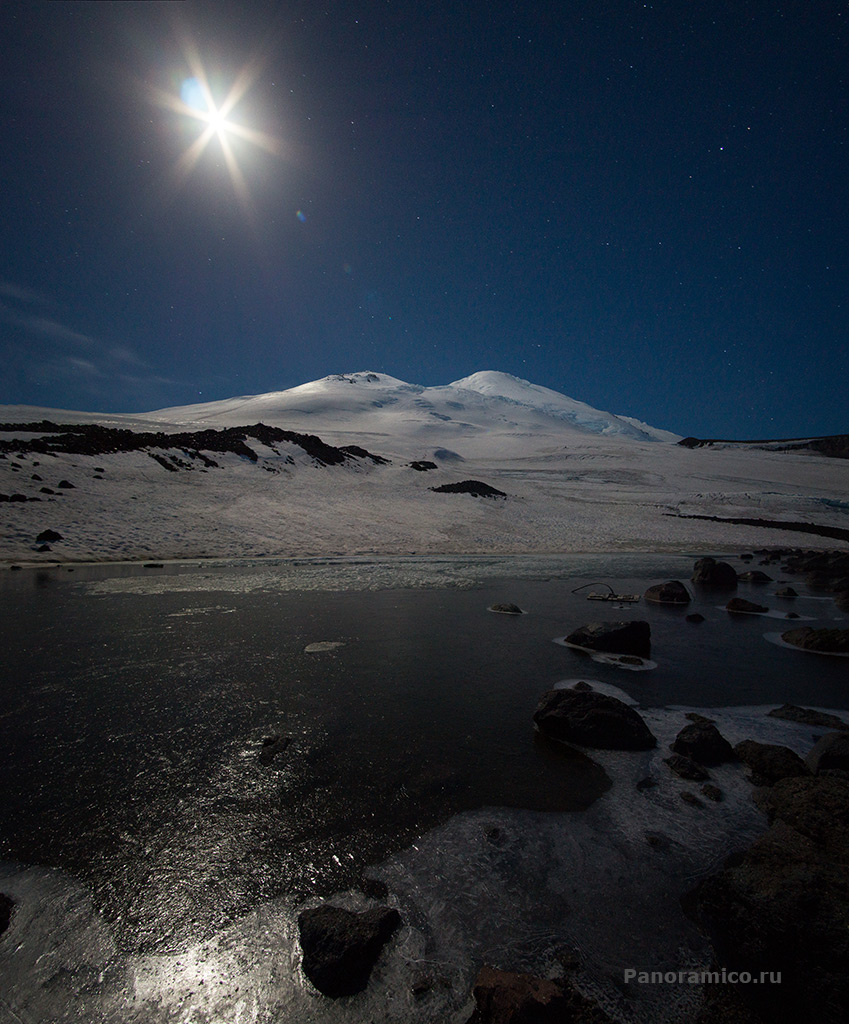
x: 575, y: 478
x: 488, y: 404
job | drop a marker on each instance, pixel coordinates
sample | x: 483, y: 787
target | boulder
x: 671, y: 592
x: 506, y: 609
x: 695, y: 617
x: 786, y: 592
x: 7, y: 905
x: 592, y: 719
x: 782, y: 906
x: 710, y: 573
x: 271, y: 747
x: 822, y: 641
x: 614, y: 637
x: 754, y: 576
x: 704, y: 743
x: 48, y: 536
x: 770, y: 762
x: 741, y: 605
x: 808, y: 716
x: 504, y: 997
x: 342, y: 946
x: 830, y: 751
x: 686, y: 768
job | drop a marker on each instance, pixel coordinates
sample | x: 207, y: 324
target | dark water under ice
x: 135, y: 702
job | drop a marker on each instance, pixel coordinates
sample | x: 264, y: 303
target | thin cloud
x: 18, y: 293
x: 55, y: 331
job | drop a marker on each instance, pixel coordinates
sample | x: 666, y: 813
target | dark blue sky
x: 642, y: 205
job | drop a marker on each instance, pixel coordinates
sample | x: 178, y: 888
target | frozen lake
x: 135, y: 705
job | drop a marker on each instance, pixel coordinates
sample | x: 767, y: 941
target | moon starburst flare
x: 197, y: 102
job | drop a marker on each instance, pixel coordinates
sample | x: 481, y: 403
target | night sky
x: 642, y: 205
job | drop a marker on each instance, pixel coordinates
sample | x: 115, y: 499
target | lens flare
x: 196, y: 102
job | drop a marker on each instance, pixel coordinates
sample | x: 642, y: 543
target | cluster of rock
x: 782, y: 905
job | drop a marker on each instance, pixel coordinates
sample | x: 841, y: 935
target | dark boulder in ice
x: 614, y: 637
x: 754, y: 576
x: 671, y: 592
x: 592, y: 719
x: 710, y: 573
x: 506, y: 609
x: 782, y: 906
x: 829, y: 752
x: 505, y: 997
x: 770, y: 762
x: 822, y: 641
x: 6, y: 906
x: 704, y: 743
x: 741, y: 606
x: 342, y: 946
x: 686, y: 768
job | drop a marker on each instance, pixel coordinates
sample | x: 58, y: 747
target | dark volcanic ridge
x: 835, y: 532
x: 835, y: 446
x: 94, y: 439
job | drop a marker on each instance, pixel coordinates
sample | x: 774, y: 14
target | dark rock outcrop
x: 48, y: 536
x: 671, y: 592
x: 592, y: 719
x: 741, y: 606
x: 271, y: 747
x: 709, y: 573
x: 808, y: 716
x: 342, y: 946
x: 476, y: 488
x: 504, y: 997
x: 830, y: 751
x: 614, y: 637
x: 506, y: 609
x: 783, y: 906
x: 770, y: 762
x: 823, y: 641
x: 423, y: 465
x: 7, y: 905
x: 704, y: 743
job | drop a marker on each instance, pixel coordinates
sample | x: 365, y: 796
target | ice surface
x: 513, y: 889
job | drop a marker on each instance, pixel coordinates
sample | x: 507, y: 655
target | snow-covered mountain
x: 488, y: 402
x: 364, y: 463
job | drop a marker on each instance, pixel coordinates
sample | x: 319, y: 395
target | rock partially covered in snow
x: 824, y: 641
x: 592, y: 719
